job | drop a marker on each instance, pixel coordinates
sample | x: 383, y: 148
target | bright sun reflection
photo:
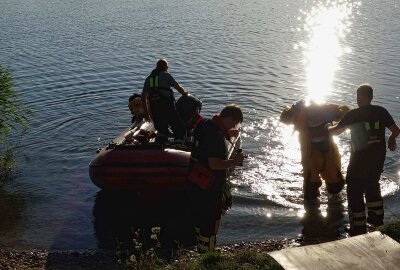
x: 327, y: 25
x: 275, y: 170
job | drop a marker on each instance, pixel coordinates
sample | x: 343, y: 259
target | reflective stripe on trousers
x: 207, y: 243
x: 357, y: 220
x: 375, y: 212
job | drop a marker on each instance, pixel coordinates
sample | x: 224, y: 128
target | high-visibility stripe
x: 358, y: 223
x: 206, y: 243
x: 153, y: 81
x: 376, y: 212
x: 358, y: 214
x: 197, y: 229
x: 368, y: 126
x: 374, y: 141
x: 204, y: 238
x: 357, y: 219
x: 375, y: 204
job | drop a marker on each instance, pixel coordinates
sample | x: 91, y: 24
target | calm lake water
x: 76, y: 62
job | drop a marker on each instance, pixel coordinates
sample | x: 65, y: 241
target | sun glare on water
x: 276, y: 173
x: 326, y: 27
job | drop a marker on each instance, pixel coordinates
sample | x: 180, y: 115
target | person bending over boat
x: 189, y: 108
x: 207, y: 173
x: 367, y: 124
x: 159, y: 102
x: 319, y: 154
x: 136, y: 107
x: 137, y: 133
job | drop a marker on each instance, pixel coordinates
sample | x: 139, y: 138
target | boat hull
x: 139, y: 169
x: 144, y: 168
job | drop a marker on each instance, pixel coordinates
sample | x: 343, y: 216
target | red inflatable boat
x: 143, y: 167
x: 134, y: 162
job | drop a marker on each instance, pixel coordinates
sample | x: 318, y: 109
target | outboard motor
x: 188, y: 108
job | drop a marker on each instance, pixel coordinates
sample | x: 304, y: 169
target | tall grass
x: 13, y: 123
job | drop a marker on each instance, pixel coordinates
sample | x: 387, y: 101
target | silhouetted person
x: 367, y: 124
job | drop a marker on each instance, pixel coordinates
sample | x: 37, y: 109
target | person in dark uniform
x: 367, y: 124
x: 207, y: 173
x: 159, y: 102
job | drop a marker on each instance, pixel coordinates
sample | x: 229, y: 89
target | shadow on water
x: 322, y: 225
x: 119, y: 215
x: 11, y: 207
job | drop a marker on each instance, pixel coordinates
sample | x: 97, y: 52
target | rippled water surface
x: 75, y: 64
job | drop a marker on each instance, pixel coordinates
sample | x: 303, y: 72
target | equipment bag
x: 201, y: 176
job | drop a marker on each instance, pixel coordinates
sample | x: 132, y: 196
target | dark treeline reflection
x: 117, y: 215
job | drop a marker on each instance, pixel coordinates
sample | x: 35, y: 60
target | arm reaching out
x: 335, y: 130
x: 181, y: 90
x: 392, y: 139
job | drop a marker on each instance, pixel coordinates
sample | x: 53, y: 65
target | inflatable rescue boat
x: 143, y: 167
x: 147, y: 165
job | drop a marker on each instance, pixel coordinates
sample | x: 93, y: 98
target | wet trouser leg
x: 355, y: 197
x: 311, y: 188
x: 311, y: 168
x: 374, y: 202
x: 207, y: 206
x: 331, y: 171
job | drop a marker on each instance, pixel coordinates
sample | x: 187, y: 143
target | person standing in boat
x: 159, y: 102
x: 207, y: 178
x: 367, y: 124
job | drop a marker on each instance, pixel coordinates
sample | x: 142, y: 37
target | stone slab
x: 368, y: 251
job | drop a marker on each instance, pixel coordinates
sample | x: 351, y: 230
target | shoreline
x: 11, y: 259
x: 107, y: 259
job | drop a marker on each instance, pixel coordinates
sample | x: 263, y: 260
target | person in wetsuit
x: 159, y: 102
x: 367, y: 124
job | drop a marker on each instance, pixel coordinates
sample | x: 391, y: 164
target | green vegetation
x: 391, y: 229
x: 146, y: 254
x: 244, y: 260
x: 141, y: 253
x: 13, y: 120
x: 241, y: 260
